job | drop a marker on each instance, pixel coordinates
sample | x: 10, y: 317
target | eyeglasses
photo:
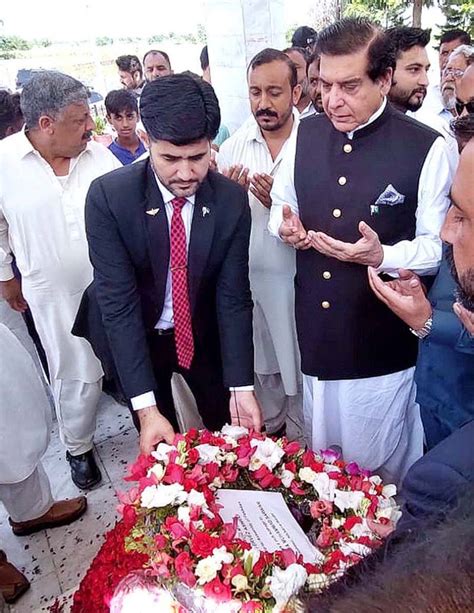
x: 456, y: 73
x: 460, y: 106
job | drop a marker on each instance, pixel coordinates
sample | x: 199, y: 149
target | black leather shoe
x: 84, y: 471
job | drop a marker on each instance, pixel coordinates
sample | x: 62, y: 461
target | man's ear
x: 297, y: 92
x: 46, y: 124
x: 386, y: 81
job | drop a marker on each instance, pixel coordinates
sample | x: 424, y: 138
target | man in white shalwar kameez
x: 256, y: 151
x: 45, y: 172
x: 365, y: 186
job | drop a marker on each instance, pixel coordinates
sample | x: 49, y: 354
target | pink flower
x: 218, y: 591
x: 326, y: 537
x: 320, y: 507
x: 140, y: 467
x: 381, y: 529
x: 296, y: 490
x: 174, y: 474
x: 183, y: 564
x: 330, y: 455
x: 176, y: 528
x: 251, y: 606
x: 292, y: 448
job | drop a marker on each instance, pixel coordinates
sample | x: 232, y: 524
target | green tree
x: 459, y: 15
x: 11, y: 45
x: 389, y: 11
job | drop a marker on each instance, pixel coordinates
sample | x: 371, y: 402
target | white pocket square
x: 390, y: 196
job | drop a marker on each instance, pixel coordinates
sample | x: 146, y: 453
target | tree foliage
x: 11, y: 45
x: 459, y: 15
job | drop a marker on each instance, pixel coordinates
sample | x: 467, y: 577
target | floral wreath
x: 172, y: 530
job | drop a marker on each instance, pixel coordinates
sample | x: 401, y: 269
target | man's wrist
x: 424, y: 330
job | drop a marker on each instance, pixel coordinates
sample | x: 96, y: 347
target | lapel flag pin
x: 205, y: 211
x: 152, y: 211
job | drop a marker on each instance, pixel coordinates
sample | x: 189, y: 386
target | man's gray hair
x: 48, y: 93
x: 467, y: 51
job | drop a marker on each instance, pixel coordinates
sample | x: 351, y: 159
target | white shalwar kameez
x: 25, y: 419
x: 272, y: 270
x: 42, y: 224
x: 375, y: 420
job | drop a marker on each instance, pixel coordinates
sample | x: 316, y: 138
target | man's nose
x: 185, y: 170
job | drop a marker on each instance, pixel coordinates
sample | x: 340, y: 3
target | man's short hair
x: 10, y: 111
x: 129, y: 63
x: 463, y: 127
x: 156, y: 52
x: 313, y: 57
x: 467, y: 51
x: 180, y: 109
x: 119, y: 101
x: 301, y: 50
x: 48, y: 93
x: 269, y: 55
x: 204, y: 58
x: 351, y: 35
x: 450, y: 35
x: 404, y: 38
x: 304, y: 36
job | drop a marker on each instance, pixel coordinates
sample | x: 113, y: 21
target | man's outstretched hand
x: 245, y: 410
x: 292, y: 230
x: 154, y: 428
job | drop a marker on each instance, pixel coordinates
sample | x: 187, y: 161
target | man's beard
x: 464, y: 292
x: 269, y: 113
x: 402, y: 99
x: 449, y: 98
x: 318, y: 103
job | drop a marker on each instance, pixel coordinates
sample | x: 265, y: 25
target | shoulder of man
x: 415, y: 124
x: 123, y: 180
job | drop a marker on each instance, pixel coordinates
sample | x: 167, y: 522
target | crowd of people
x: 318, y: 261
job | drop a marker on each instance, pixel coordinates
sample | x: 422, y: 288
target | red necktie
x: 183, y: 333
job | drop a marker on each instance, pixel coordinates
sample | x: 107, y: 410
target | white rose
x: 348, y: 500
x: 267, y: 452
x: 207, y: 569
x: 234, y: 432
x: 231, y: 457
x: 183, y: 515
x: 240, y: 582
x: 324, y: 486
x: 389, y: 491
x: 357, y: 548
x: 207, y: 453
x: 287, y: 477
x: 284, y: 584
x: 196, y: 498
x: 162, y: 451
x: 158, y: 470
x: 156, y: 496
x: 222, y: 556
x: 307, y: 474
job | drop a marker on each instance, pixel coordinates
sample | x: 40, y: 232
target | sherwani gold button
x: 325, y: 304
x: 347, y: 148
x: 337, y: 213
x: 342, y: 180
x: 326, y: 274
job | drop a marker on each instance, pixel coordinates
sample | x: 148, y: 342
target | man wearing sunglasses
x: 465, y: 93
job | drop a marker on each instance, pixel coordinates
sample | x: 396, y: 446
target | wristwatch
x: 424, y: 330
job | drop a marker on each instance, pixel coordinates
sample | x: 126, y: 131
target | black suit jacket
x: 129, y: 250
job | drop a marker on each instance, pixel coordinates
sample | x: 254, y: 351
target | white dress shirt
x: 423, y: 253
x: 166, y: 320
x: 308, y: 111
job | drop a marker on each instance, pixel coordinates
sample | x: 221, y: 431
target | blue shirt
x: 125, y: 155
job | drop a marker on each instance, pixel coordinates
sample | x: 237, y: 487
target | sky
x: 83, y: 19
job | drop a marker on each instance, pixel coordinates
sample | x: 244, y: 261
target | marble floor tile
x: 112, y: 419
x: 42, y: 591
x: 74, y: 547
x: 117, y: 453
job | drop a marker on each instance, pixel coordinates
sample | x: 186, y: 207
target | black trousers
x: 204, y: 379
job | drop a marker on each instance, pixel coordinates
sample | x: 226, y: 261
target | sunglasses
x: 460, y: 106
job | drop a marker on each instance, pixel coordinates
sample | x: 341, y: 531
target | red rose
x: 174, y: 474
x: 292, y: 448
x: 176, y: 528
x: 183, y: 564
x: 351, y: 522
x: 202, y: 544
x: 326, y: 537
x: 251, y: 606
x: 320, y: 507
x: 192, y: 456
x: 140, y: 467
x: 218, y: 591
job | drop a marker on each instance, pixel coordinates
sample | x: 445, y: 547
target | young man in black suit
x: 168, y: 240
